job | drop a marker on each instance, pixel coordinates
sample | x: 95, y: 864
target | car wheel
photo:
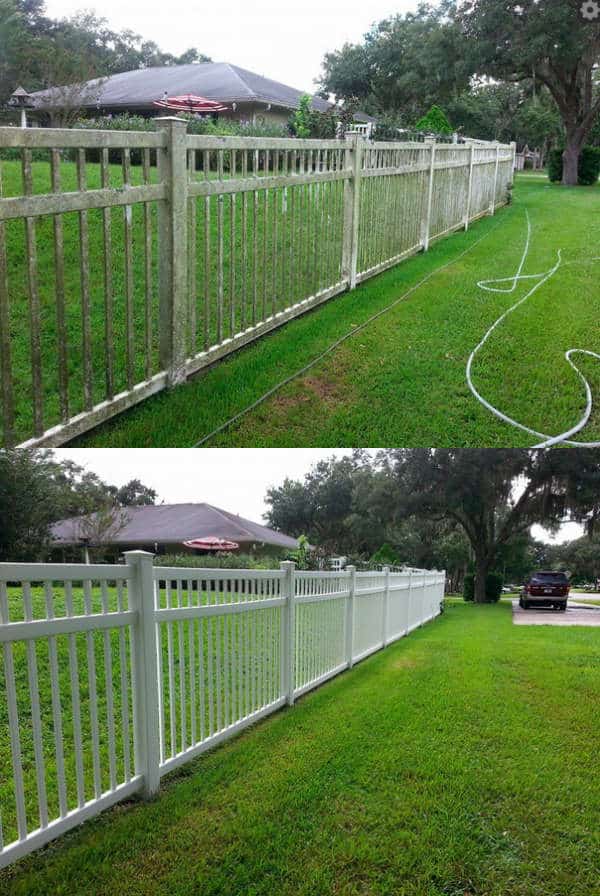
x: 525, y: 605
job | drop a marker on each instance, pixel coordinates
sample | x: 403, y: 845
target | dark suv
x: 545, y: 589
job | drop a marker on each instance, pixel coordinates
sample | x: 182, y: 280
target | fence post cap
x: 169, y: 120
x: 287, y: 564
x: 137, y: 554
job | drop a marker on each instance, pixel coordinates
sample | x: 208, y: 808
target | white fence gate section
x: 113, y: 675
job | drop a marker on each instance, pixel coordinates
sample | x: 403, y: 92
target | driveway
x: 577, y: 613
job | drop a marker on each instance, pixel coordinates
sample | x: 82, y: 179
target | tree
x: 135, y: 494
x: 37, y: 490
x: 496, y: 494
x: 404, y: 65
x: 551, y: 42
x: 435, y: 121
x: 27, y: 492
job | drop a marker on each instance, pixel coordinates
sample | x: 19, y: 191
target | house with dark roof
x: 163, y: 529
x: 249, y: 97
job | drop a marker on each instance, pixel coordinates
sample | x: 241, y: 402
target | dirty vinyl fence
x: 129, y: 261
x: 112, y: 676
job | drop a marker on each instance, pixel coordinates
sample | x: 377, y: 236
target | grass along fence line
x: 117, y: 280
x: 402, y: 380
x: 113, y: 676
x: 456, y: 761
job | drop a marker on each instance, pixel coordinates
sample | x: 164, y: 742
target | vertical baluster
x: 192, y: 661
x: 192, y: 297
x: 171, y: 675
x: 207, y: 250
x: 129, y: 320
x: 84, y: 263
x: 93, y: 696
x: 56, y: 706
x: 244, y: 240
x: 34, y: 302
x: 125, y: 726
x: 36, y: 721
x: 255, y: 163
x: 109, y: 334
x: 265, y: 234
x: 8, y: 402
x: 182, y: 673
x: 220, y: 277
x: 13, y: 720
x: 59, y: 294
x: 75, y: 700
x: 275, y: 239
x: 108, y: 684
x: 148, y: 271
x: 232, y: 248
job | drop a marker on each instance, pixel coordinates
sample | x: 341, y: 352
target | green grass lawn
x: 459, y: 761
x: 402, y: 380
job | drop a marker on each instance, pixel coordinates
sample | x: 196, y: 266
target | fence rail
x: 130, y: 261
x: 112, y: 676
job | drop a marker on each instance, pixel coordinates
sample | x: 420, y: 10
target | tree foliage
x: 552, y: 42
x: 440, y: 508
x: 38, y: 51
x: 37, y: 490
x: 435, y: 122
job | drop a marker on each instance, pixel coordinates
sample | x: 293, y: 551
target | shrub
x: 218, y: 561
x: 493, y: 587
x: 386, y: 556
x: 588, y: 170
x: 435, y: 121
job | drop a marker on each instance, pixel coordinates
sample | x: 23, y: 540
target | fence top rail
x: 75, y: 138
x: 197, y: 572
x: 66, y: 572
x: 202, y: 141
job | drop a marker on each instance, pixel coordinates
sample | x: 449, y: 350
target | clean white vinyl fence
x: 113, y: 675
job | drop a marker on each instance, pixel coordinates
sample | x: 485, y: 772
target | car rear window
x: 553, y: 578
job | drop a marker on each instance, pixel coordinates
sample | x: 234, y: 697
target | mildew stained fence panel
x: 78, y: 272
x: 267, y: 236
x: 129, y: 261
x: 113, y: 675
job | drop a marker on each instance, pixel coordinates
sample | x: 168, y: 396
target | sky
x: 235, y: 479
x: 283, y: 41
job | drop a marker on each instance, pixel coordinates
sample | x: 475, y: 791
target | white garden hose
x: 542, y: 278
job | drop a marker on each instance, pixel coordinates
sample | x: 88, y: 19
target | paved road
x: 576, y: 614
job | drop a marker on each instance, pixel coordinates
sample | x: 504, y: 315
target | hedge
x: 588, y: 168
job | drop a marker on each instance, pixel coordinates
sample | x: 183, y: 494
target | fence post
x: 426, y: 223
x: 288, y: 631
x: 493, y: 205
x: 145, y: 671
x: 173, y: 249
x: 386, y: 606
x: 408, y: 600
x: 353, y: 160
x: 351, y: 570
x: 470, y: 187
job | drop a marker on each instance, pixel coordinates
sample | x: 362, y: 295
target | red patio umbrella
x: 212, y: 543
x: 190, y: 103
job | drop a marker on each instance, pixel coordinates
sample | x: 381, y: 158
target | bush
x: 589, y: 166
x: 435, y: 122
x: 218, y: 561
x: 493, y: 587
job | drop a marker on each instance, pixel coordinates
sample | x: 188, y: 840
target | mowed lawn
x: 461, y: 760
x: 401, y: 381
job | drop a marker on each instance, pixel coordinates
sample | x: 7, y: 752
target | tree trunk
x: 481, y: 571
x: 571, y: 161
